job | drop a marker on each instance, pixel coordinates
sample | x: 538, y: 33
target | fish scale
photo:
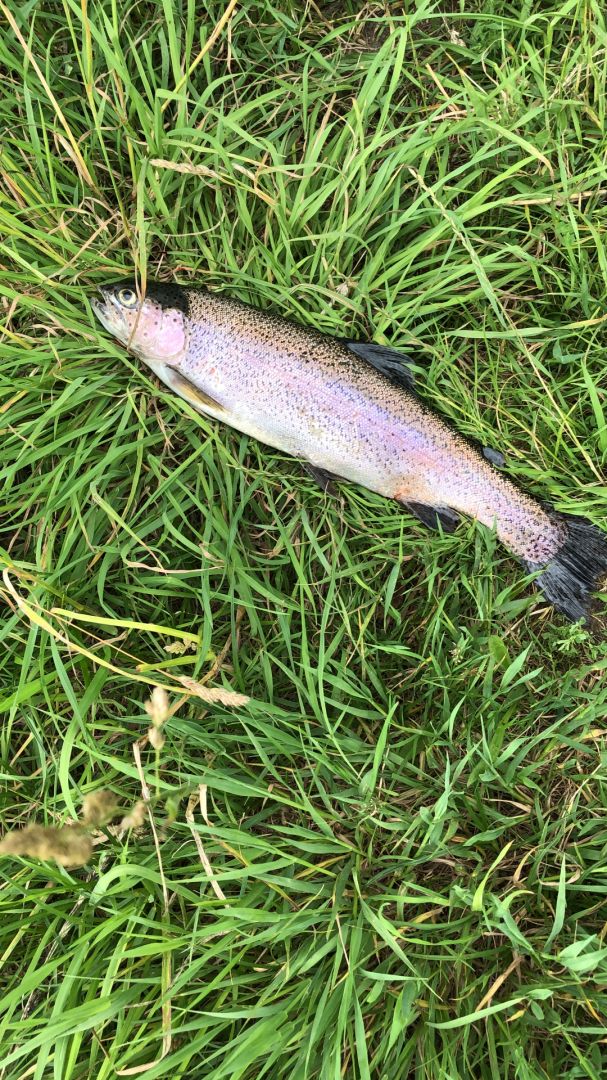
x: 349, y: 410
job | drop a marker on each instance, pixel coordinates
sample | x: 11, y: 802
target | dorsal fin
x: 398, y: 367
x: 395, y: 365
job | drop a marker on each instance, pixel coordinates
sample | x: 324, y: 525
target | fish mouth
x: 98, y: 304
x: 101, y: 301
x: 101, y: 308
x: 107, y: 312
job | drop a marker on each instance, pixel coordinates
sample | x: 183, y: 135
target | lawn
x: 391, y: 860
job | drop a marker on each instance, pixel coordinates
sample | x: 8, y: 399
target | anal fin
x: 323, y: 478
x: 433, y: 516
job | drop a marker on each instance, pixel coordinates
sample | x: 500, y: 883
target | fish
x: 349, y: 410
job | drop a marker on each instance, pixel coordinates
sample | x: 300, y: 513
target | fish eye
x: 127, y: 297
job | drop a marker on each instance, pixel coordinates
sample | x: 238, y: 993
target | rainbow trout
x: 348, y: 409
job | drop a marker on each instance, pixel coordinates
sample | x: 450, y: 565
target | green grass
x: 406, y: 826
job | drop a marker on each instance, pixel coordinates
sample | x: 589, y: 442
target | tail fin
x: 577, y: 569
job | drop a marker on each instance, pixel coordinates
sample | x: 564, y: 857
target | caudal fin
x: 577, y: 569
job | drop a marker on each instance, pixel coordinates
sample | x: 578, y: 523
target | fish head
x: 153, y: 326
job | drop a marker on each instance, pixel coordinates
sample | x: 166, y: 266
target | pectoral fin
x: 192, y: 393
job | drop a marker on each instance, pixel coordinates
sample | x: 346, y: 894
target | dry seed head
x: 98, y: 808
x: 136, y: 818
x: 156, y: 738
x: 69, y: 846
x: 178, y: 648
x: 212, y: 694
x: 157, y: 707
